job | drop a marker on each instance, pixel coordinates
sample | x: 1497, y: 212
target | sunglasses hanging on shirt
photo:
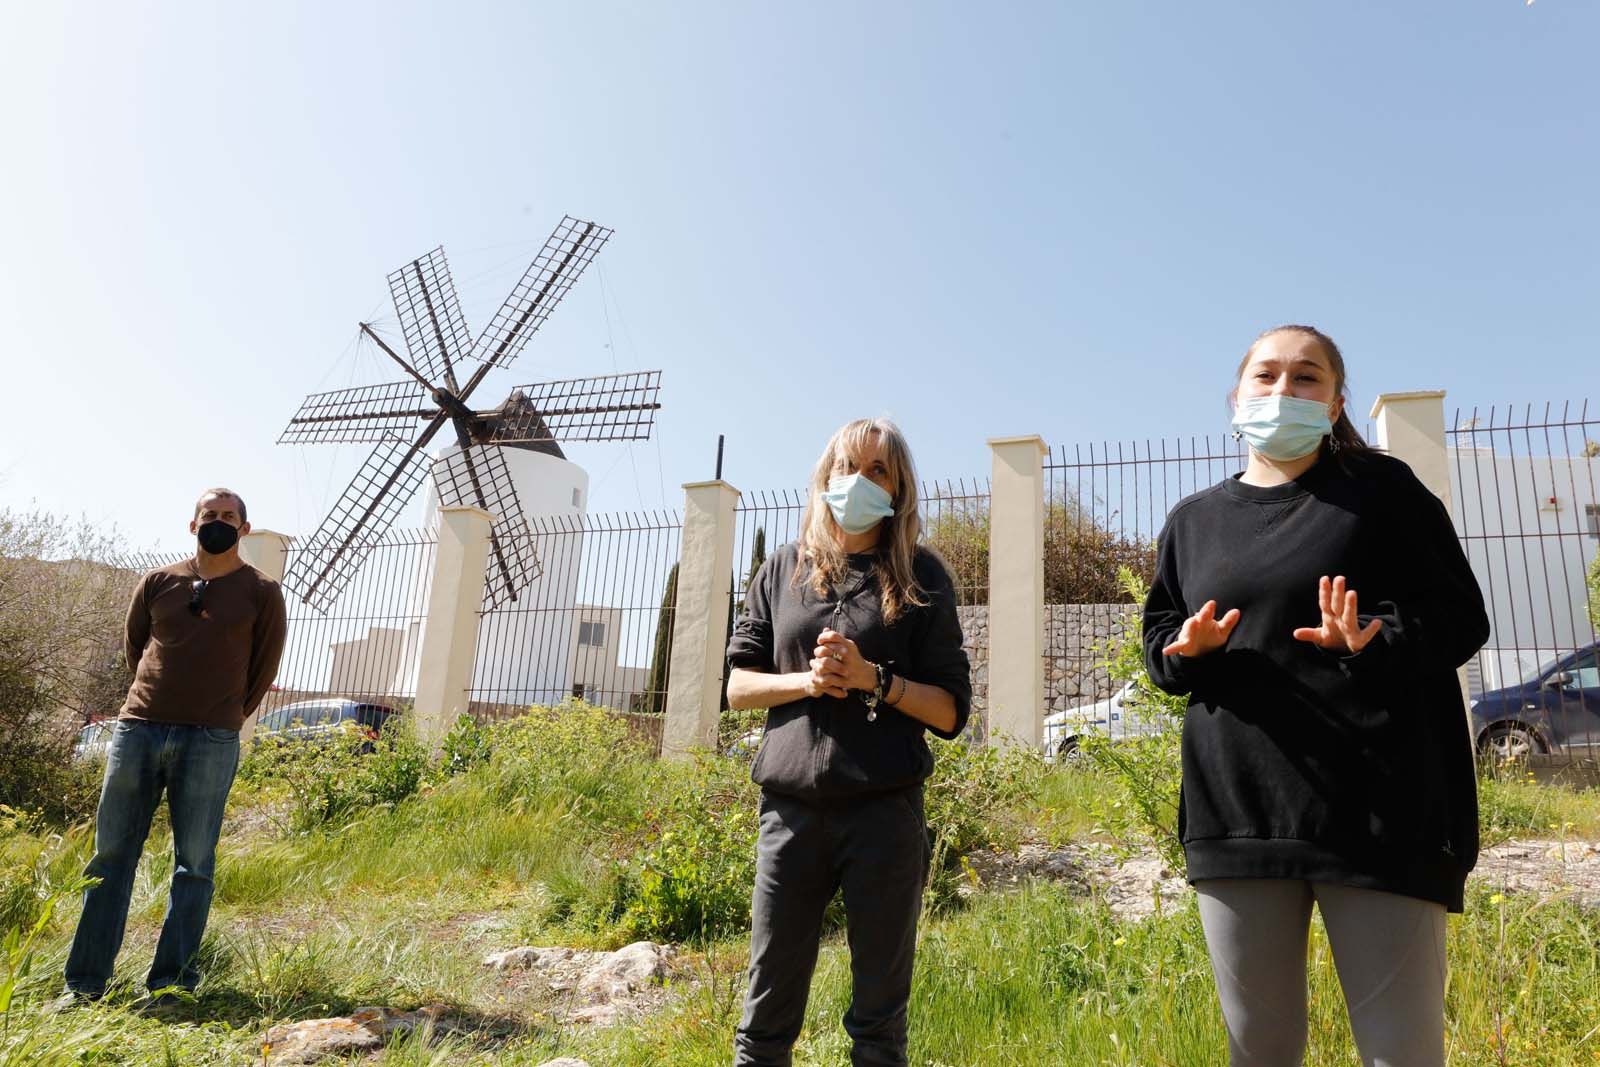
x: 197, y: 589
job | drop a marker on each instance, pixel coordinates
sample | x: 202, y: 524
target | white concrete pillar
x: 450, y: 625
x: 268, y: 552
x: 1411, y: 428
x: 700, y: 623
x: 1016, y: 590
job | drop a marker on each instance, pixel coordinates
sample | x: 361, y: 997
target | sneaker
x: 69, y: 1000
x: 162, y: 1005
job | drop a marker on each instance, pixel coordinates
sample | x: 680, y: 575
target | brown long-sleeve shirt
x: 209, y: 668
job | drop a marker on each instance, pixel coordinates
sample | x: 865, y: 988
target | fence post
x: 268, y: 552
x: 450, y: 626
x: 1411, y: 428
x: 705, y: 582
x: 1016, y: 590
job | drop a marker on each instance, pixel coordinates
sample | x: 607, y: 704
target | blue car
x: 1556, y: 710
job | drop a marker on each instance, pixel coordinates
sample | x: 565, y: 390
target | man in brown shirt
x: 203, y: 640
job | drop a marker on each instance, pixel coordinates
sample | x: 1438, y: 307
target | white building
x: 1531, y: 526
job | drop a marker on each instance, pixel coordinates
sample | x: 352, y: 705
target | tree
x: 1082, y: 555
x: 1594, y: 592
x: 758, y: 556
x: 655, y: 699
x: 61, y: 613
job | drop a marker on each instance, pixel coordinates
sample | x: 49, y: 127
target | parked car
x: 1116, y: 717
x: 308, y: 720
x: 1557, y: 709
x: 93, y: 740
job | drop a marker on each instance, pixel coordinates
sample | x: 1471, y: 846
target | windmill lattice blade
x: 321, y: 569
x: 430, y: 315
x: 479, y: 476
x: 559, y: 264
x: 615, y: 407
x: 384, y: 412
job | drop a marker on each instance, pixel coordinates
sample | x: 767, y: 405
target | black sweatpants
x: 876, y: 850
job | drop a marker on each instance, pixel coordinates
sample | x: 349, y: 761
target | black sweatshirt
x: 1308, y: 764
x: 824, y: 749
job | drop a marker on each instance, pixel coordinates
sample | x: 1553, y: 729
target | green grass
x: 398, y: 908
x: 1512, y: 804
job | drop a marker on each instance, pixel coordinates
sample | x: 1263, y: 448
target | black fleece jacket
x: 1301, y: 763
x: 823, y: 749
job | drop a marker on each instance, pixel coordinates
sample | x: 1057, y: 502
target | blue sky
x: 980, y: 219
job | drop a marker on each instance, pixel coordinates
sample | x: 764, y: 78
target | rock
x: 626, y: 970
x: 363, y: 1030
x: 565, y: 1061
x: 526, y: 959
x: 601, y: 986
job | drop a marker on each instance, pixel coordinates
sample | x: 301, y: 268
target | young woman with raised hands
x: 1315, y: 608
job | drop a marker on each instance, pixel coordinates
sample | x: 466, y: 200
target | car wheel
x: 1509, y: 742
x: 1069, y: 753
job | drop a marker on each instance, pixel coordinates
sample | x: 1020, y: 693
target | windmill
x: 618, y: 407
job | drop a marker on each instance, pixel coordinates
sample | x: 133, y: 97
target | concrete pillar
x: 450, y: 626
x: 1411, y: 428
x: 268, y: 552
x: 705, y: 581
x: 1016, y: 590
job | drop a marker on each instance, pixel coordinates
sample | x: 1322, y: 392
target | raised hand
x: 1203, y: 632
x: 1341, y: 629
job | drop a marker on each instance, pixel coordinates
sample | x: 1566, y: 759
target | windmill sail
x: 560, y: 263
x: 430, y: 316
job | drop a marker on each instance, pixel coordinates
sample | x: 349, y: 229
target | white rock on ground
x: 363, y: 1030
x: 603, y: 985
x: 565, y: 1061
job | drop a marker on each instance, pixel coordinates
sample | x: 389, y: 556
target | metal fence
x: 1528, y: 515
x: 597, y: 626
x: 1104, y: 505
x: 953, y: 512
x: 367, y: 646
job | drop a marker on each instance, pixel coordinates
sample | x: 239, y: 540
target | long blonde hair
x: 897, y: 536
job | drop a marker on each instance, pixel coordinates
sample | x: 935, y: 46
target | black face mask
x: 216, y: 536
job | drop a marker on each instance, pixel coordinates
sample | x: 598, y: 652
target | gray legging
x: 1388, y: 949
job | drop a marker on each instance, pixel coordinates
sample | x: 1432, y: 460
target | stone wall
x: 1075, y: 636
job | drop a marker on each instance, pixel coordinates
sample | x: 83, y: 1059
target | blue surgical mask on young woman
x: 857, y: 502
x: 1282, y: 427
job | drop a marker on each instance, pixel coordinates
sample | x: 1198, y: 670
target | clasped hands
x: 837, y: 667
x: 1340, y: 631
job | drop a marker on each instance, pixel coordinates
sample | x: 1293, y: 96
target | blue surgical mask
x: 857, y: 502
x: 1282, y: 427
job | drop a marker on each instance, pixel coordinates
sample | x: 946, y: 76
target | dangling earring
x: 1333, y: 444
x: 1237, y: 435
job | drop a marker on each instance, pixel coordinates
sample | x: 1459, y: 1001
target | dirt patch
x: 1547, y: 868
x: 1133, y: 887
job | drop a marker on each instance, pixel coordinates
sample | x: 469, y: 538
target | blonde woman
x: 850, y: 639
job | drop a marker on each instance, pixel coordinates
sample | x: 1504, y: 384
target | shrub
x: 967, y: 801
x: 333, y: 778
x: 466, y: 746
x: 582, y: 755
x: 1592, y: 582
x: 1147, y: 769
x: 692, y: 879
x: 60, y: 627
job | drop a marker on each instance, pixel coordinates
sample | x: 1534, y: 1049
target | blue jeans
x: 195, y: 766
